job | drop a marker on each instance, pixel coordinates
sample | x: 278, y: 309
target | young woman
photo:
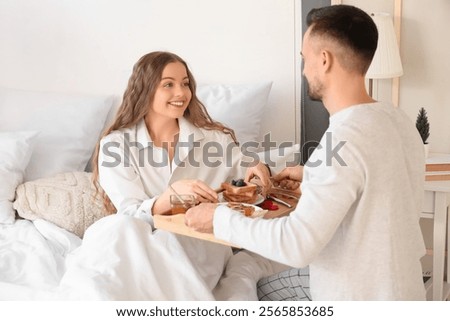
x: 162, y: 140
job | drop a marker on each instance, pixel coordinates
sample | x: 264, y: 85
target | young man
x: 357, y: 223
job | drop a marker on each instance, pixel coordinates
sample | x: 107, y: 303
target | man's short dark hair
x: 349, y: 26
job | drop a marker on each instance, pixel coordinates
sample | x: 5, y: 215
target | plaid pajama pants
x: 289, y: 285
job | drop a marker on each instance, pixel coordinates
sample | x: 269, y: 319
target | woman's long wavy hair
x: 138, y: 97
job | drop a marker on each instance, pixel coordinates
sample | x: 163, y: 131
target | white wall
x: 426, y: 54
x: 90, y: 46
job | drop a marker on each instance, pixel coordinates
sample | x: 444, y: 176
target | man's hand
x: 289, y: 178
x: 200, y: 217
x: 262, y: 172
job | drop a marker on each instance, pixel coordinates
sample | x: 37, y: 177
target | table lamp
x: 386, y: 62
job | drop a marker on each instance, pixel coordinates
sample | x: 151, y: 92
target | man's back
x: 372, y: 194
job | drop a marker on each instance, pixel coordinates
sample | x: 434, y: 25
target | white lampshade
x: 386, y: 63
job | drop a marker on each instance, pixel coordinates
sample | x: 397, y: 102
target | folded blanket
x: 67, y: 200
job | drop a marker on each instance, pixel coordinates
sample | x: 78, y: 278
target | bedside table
x: 436, y: 204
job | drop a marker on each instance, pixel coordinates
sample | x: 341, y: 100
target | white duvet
x: 121, y: 258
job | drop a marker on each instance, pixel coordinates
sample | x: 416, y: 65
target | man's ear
x: 327, y: 60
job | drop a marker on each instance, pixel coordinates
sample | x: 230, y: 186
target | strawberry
x: 268, y: 205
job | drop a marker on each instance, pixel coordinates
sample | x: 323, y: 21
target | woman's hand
x: 289, y: 178
x: 201, y: 191
x: 261, y: 171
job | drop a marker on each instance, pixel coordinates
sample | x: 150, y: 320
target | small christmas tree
x: 422, y: 125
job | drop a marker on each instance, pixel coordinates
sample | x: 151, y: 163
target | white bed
x: 41, y: 261
x: 47, y: 212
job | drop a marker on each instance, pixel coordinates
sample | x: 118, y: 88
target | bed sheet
x: 32, y: 258
x: 121, y: 258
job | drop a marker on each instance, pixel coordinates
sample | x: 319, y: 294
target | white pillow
x: 69, y: 127
x: 15, y: 152
x: 240, y: 107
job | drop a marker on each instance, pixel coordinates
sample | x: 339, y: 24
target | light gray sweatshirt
x: 357, y: 222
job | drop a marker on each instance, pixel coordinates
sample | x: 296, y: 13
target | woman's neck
x: 162, y: 130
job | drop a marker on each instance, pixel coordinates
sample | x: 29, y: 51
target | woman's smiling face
x: 173, y: 93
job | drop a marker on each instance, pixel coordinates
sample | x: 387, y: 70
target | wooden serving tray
x: 175, y: 223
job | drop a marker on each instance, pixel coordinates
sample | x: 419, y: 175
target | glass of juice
x: 181, y: 203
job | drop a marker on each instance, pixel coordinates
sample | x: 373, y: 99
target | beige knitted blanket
x: 66, y: 200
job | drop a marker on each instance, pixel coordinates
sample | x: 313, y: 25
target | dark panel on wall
x: 314, y: 116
